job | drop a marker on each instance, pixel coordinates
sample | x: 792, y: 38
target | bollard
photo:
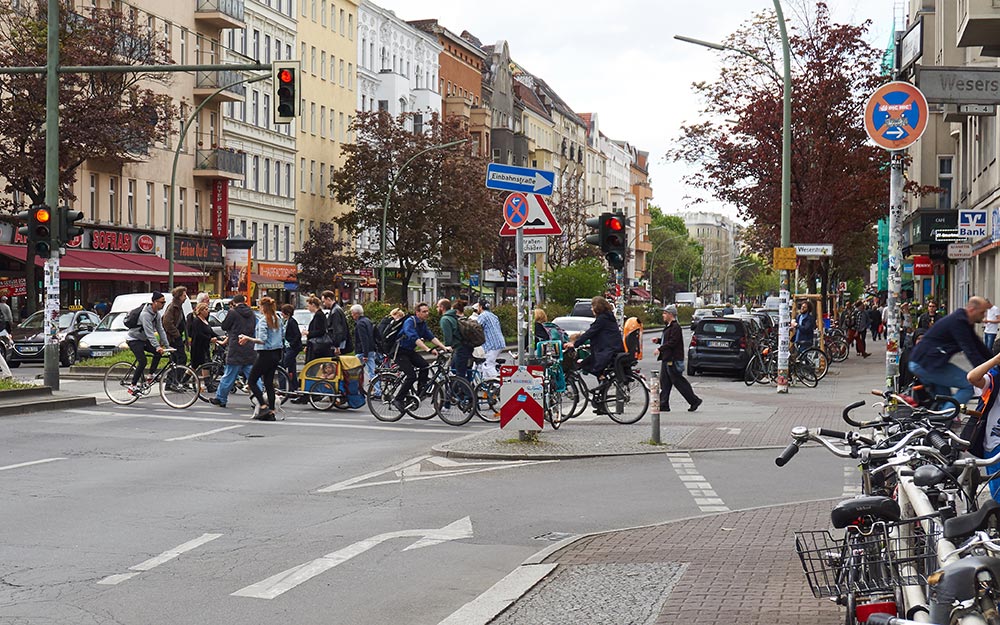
x: 654, y: 396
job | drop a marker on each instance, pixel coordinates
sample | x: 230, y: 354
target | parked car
x: 110, y: 335
x: 573, y: 324
x: 29, y: 337
x: 719, y: 345
x: 581, y: 308
x: 699, y: 314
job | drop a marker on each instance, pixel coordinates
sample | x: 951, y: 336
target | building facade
x: 717, y: 235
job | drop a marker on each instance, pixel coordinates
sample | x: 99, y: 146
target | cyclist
x: 605, y: 338
x: 949, y: 335
x: 413, y: 365
x: 148, y: 336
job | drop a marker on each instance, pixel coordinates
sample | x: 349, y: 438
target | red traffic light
x: 286, y: 76
x: 42, y: 215
x: 614, y: 223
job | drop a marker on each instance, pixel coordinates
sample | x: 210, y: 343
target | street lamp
x: 786, y: 175
x: 385, y: 206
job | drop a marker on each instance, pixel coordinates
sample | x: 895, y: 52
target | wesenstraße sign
x: 959, y: 85
x: 813, y: 250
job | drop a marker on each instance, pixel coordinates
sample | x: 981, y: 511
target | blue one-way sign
x: 520, y: 179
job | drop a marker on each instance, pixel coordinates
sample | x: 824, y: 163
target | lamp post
x: 786, y: 175
x: 385, y: 206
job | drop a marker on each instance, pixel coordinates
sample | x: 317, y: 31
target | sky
x: 618, y: 58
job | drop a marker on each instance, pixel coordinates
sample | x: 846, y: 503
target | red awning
x: 641, y: 293
x: 87, y: 264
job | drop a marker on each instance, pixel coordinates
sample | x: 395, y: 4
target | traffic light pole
x: 51, y: 349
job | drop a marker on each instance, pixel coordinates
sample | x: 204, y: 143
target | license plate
x: 28, y: 349
x: 98, y: 353
x: 718, y: 343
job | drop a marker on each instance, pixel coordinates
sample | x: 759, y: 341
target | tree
x: 839, y: 187
x: 111, y: 117
x: 439, y: 208
x: 586, y: 277
x: 675, y: 257
x: 323, y: 256
x: 570, y: 210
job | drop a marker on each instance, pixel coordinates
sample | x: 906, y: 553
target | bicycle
x: 210, y: 375
x: 558, y: 405
x: 621, y: 392
x: 453, y: 399
x: 179, y: 385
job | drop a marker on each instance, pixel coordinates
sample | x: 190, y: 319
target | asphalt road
x: 147, y: 515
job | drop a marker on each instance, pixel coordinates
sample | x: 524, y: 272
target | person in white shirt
x: 992, y: 322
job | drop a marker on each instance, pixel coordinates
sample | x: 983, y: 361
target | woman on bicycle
x: 605, y: 338
x: 268, y: 343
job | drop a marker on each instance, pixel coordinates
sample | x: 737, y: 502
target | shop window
x: 149, y: 204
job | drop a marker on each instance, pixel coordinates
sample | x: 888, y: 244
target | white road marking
x: 146, y: 415
x: 412, y: 471
x: 495, y: 600
x: 28, y: 464
x: 200, y: 434
x: 704, y: 496
x: 733, y: 431
x: 156, y: 561
x: 286, y: 580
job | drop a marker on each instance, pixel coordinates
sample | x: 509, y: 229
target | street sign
x: 959, y: 251
x: 841, y: 286
x: 972, y: 224
x: 539, y: 222
x: 959, y: 85
x: 785, y: 258
x: 521, y: 394
x: 520, y: 179
x: 814, y: 250
x: 535, y: 245
x: 896, y: 115
x: 911, y: 46
x: 515, y: 210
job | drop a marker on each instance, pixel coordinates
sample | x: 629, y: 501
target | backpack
x: 471, y: 332
x: 132, y: 318
x: 390, y: 333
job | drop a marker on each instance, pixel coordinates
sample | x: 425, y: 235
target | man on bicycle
x: 149, y: 336
x: 949, y: 335
x: 413, y: 365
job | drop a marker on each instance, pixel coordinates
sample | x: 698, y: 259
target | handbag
x: 321, y: 341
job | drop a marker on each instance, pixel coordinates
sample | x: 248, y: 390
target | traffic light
x: 613, y: 239
x: 37, y: 228
x: 68, y: 230
x: 284, y: 81
x: 596, y: 236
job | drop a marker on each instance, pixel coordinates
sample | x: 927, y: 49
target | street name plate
x: 535, y: 245
x: 959, y: 85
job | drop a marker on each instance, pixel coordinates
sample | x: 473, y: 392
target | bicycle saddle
x: 880, y: 508
x: 931, y: 475
x: 966, y: 524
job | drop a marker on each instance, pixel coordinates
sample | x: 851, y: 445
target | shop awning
x: 477, y: 289
x: 87, y: 264
x: 264, y: 282
x: 641, y: 293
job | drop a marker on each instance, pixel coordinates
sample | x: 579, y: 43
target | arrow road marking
x: 28, y: 464
x: 156, y: 561
x: 412, y: 471
x: 286, y: 580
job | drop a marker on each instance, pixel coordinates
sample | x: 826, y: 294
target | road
x: 149, y: 515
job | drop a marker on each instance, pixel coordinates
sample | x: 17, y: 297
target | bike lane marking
x: 704, y: 495
x: 28, y: 464
x: 152, y: 563
x: 200, y: 434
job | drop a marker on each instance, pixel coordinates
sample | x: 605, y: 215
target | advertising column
x: 236, y: 275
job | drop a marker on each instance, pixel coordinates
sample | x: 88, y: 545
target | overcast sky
x: 619, y: 59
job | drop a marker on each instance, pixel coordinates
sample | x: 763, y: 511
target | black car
x: 29, y: 339
x: 719, y: 345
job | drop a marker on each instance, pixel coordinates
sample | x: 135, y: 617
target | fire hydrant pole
x: 654, y: 396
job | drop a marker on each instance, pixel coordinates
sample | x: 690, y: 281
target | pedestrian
x: 494, y: 339
x: 389, y: 328
x: 239, y: 357
x: 452, y: 337
x: 174, y: 324
x: 541, y: 332
x: 860, y: 328
x: 984, y: 376
x: 805, y: 326
x: 414, y: 334
x: 318, y: 342
x: 875, y: 321
x: 336, y: 324
x: 992, y: 323
x: 949, y: 335
x: 101, y: 308
x: 930, y: 317
x: 149, y: 336
x: 905, y: 375
x: 293, y: 345
x: 670, y: 353
x: 461, y: 361
x: 6, y: 315
x: 202, y: 336
x: 268, y: 340
x: 364, y: 340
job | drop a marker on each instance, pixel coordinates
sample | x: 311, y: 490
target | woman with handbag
x: 318, y: 343
x: 268, y: 340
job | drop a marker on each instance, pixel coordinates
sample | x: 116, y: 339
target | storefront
x: 276, y: 280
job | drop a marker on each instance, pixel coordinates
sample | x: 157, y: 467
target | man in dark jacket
x: 239, y: 358
x: 293, y: 345
x: 174, y: 324
x: 927, y: 319
x: 670, y: 353
x: 604, y: 335
x: 364, y: 340
x: 949, y: 335
x: 336, y: 324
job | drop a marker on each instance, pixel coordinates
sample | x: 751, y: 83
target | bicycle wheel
x: 209, y: 375
x: 837, y: 348
x: 753, y: 370
x: 488, y: 400
x: 322, y: 395
x: 818, y: 359
x: 179, y: 386
x: 380, y: 404
x: 117, y: 381
x: 804, y: 373
x: 625, y: 402
x: 281, y: 385
x: 455, y: 401
x: 421, y: 406
x: 582, y: 395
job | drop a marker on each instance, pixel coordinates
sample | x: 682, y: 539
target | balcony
x: 219, y: 163
x: 978, y: 23
x: 220, y: 13
x: 208, y: 82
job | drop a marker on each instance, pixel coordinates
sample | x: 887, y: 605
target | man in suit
x: 670, y: 353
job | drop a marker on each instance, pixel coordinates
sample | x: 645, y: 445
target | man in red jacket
x: 670, y: 353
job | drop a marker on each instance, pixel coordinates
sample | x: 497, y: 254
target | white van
x: 111, y: 333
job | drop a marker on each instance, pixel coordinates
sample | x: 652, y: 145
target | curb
x: 50, y: 403
x: 497, y: 598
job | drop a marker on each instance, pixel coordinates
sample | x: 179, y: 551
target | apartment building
x: 718, y: 236
x: 642, y: 191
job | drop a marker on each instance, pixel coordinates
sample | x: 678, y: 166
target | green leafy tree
x: 586, y: 277
x: 322, y: 257
x: 675, y: 257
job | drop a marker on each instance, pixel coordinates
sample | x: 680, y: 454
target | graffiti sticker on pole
x: 896, y: 115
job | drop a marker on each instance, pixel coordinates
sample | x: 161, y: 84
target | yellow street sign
x: 784, y: 258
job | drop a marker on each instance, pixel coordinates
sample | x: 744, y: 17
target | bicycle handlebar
x: 858, y: 424
x: 803, y: 435
x: 787, y: 454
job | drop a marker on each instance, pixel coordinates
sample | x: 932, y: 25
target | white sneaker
x: 256, y: 410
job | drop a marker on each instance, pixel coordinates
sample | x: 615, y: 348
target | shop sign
x: 220, y: 209
x: 922, y: 266
x: 76, y: 242
x: 110, y: 241
x: 13, y: 287
x: 278, y: 272
x: 145, y: 243
x: 366, y: 273
x: 197, y: 251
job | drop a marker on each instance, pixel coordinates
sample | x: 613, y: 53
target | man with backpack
x: 450, y: 329
x: 364, y: 340
x: 146, y: 334
x: 336, y: 324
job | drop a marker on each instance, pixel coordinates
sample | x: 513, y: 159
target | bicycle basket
x: 892, y: 555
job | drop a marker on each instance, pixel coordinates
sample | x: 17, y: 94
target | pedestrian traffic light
x: 68, y: 230
x: 37, y: 228
x: 613, y: 239
x: 284, y: 82
x: 596, y: 225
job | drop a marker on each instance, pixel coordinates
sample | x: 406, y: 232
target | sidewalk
x: 733, y: 567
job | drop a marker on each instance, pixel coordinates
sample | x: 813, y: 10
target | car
x: 573, y: 324
x: 581, y: 308
x: 29, y: 336
x: 699, y: 314
x: 110, y: 335
x: 719, y: 345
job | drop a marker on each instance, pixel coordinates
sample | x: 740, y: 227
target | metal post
x: 51, y: 303
x: 786, y: 198
x: 892, y: 346
x: 654, y: 396
x: 519, y: 252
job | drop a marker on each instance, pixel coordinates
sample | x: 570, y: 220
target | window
x: 340, y: 116
x: 322, y: 65
x: 266, y: 239
x: 350, y: 27
x: 418, y: 123
x: 277, y: 178
x: 243, y: 228
x: 322, y: 121
x: 256, y: 44
x: 312, y: 177
x: 288, y: 242
x: 275, y: 234
x: 322, y: 179
x: 277, y: 49
x: 302, y: 229
x: 312, y: 117
x: 267, y: 111
x: 232, y: 228
x: 197, y: 210
x: 350, y: 75
x: 113, y: 215
x: 267, y: 175
x: 313, y: 9
x: 302, y: 55
x: 267, y: 48
x: 166, y: 204
x: 181, y: 196
x: 312, y: 59
x: 93, y: 197
x: 288, y: 179
x: 323, y: 15
x: 341, y: 72
x: 253, y: 235
x: 945, y: 178
x: 183, y: 53
x: 130, y: 203
x: 149, y: 204
x: 342, y: 21
x: 255, y: 108
x: 333, y: 128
